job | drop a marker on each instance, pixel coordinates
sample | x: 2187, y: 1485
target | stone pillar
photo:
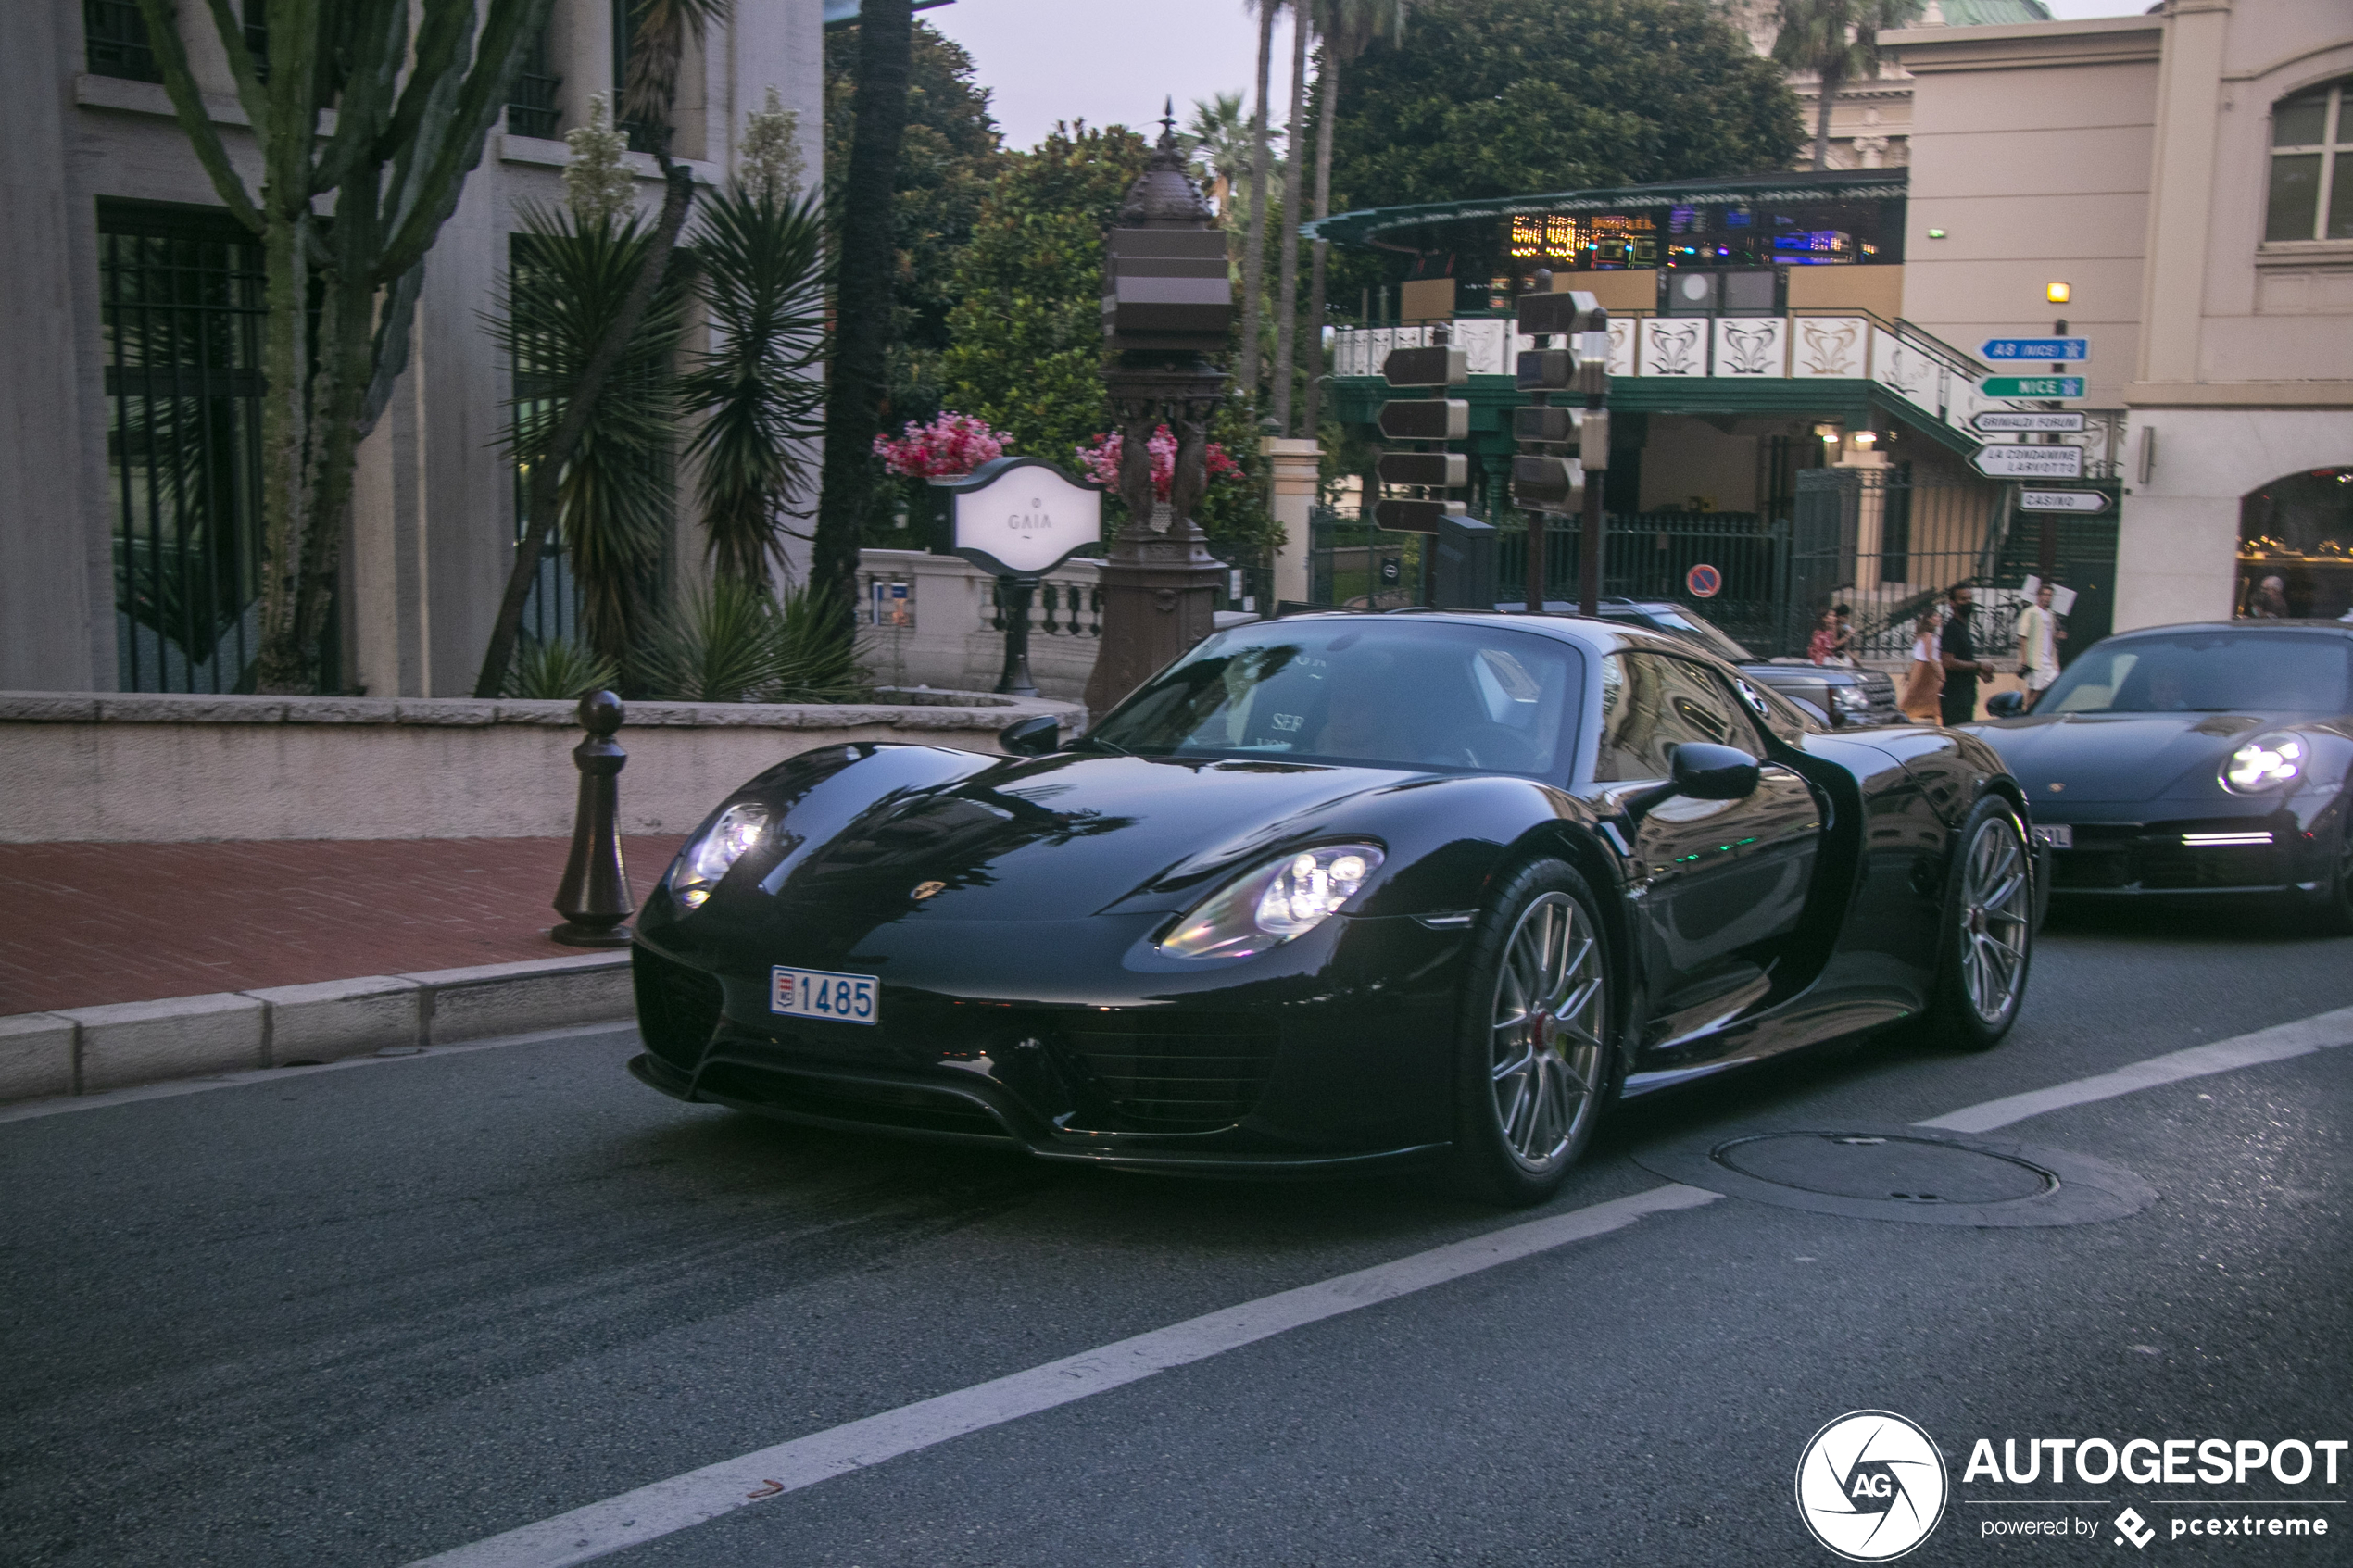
x: 1870, y: 516
x: 1296, y: 467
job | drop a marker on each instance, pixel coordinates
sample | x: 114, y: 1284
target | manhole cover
x: 1865, y: 1166
x: 1914, y: 1174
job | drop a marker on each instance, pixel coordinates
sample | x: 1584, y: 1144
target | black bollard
x: 594, y: 896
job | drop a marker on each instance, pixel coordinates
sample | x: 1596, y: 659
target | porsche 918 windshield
x: 2206, y: 673
x: 1377, y: 692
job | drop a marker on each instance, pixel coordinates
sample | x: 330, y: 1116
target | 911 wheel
x: 1535, y: 1060
x: 1988, y: 930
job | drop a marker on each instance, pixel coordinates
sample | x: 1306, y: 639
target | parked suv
x: 1845, y: 697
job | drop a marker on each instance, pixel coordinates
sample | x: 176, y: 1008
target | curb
x: 95, y: 1049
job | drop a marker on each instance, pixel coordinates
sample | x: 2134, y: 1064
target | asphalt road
x: 365, y: 1316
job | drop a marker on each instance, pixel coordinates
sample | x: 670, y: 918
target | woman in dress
x: 1924, y: 682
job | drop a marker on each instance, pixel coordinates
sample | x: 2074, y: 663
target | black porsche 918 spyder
x: 2194, y: 760
x: 1333, y: 891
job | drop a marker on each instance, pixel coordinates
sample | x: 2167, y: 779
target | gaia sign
x: 1019, y: 517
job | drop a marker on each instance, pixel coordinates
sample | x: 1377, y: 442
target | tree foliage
x: 1837, y: 41
x: 1027, y: 329
x: 1508, y: 97
x: 948, y: 158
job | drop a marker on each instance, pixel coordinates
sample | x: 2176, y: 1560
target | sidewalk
x: 88, y: 924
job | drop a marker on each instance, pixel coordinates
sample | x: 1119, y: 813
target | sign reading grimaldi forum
x: 1021, y: 517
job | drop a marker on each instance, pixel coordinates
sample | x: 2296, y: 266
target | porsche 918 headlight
x: 739, y: 827
x: 2266, y: 763
x: 1277, y: 901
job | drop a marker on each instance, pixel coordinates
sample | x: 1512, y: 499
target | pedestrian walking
x: 2039, y: 635
x: 1957, y: 650
x: 1925, y: 678
x: 1820, y: 645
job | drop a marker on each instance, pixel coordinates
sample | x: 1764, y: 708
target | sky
x: 1108, y: 61
x: 1112, y: 61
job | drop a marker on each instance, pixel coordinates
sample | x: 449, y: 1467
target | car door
x: 1722, y: 883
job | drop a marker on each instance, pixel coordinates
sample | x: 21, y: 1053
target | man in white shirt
x: 2039, y: 635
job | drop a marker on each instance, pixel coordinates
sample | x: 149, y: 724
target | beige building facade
x: 2179, y: 173
x: 129, y: 523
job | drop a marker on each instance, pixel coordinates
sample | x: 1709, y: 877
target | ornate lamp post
x: 1166, y: 305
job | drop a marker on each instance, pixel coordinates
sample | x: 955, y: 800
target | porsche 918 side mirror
x: 1700, y: 772
x: 1032, y: 736
x: 2006, y: 705
x: 1714, y: 772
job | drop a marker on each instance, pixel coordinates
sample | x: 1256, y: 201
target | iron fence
x: 1654, y: 556
x: 1888, y: 548
x: 1353, y: 565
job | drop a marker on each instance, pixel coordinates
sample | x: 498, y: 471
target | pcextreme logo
x: 1871, y: 1486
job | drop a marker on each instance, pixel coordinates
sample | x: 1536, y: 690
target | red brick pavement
x: 86, y: 924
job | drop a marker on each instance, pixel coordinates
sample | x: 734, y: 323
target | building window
x: 114, y: 41
x: 531, y: 103
x: 180, y: 308
x: 552, y: 612
x: 2311, y: 167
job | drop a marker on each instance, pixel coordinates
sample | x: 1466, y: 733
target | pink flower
x: 1100, y: 459
x: 950, y: 446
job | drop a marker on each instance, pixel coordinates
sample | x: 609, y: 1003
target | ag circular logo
x: 1871, y: 1485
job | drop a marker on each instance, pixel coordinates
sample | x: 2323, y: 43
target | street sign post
x: 2030, y: 462
x: 1425, y: 418
x: 1399, y: 516
x: 2021, y: 420
x: 1444, y: 471
x: 2002, y: 348
x: 2032, y: 386
x: 2061, y: 500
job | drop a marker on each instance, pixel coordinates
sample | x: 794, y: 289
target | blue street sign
x: 2037, y: 348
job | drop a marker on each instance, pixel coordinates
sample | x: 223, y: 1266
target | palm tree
x: 1287, y: 285
x: 1837, y: 41
x: 1220, y: 136
x: 1343, y: 28
x: 1255, y: 256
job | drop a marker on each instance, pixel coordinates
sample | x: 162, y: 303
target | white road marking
x: 32, y: 1110
x: 684, y: 1501
x: 2321, y: 1032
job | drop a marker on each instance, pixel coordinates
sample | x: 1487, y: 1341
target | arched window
x: 2313, y: 165
x: 2296, y: 546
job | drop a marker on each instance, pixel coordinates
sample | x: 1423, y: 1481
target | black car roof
x: 2311, y: 623
x: 1593, y: 633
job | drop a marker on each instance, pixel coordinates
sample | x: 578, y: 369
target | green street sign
x: 2032, y: 386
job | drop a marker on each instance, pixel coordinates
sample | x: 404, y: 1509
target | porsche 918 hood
x: 2115, y: 757
x: 1045, y: 839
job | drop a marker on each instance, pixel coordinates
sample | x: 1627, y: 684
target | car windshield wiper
x: 1113, y: 747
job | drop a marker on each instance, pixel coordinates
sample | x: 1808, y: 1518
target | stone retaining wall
x: 76, y: 766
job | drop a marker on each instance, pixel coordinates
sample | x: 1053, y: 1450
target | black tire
x: 1986, y: 941
x: 1540, y: 994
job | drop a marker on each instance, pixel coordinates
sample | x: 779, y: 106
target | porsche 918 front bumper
x: 1342, y: 1060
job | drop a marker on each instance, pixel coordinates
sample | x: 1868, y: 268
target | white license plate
x: 2058, y: 835
x: 817, y: 993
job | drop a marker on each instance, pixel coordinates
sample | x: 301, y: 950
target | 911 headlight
x: 738, y: 828
x: 2266, y: 763
x: 1277, y: 901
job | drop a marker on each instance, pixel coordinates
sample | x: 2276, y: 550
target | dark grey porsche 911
x: 2196, y: 761
x: 1336, y: 891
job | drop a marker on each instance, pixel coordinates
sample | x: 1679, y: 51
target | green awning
x: 1361, y: 226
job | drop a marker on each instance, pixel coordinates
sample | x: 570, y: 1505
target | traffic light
x: 1544, y: 483
x: 1443, y: 471
x: 1426, y: 418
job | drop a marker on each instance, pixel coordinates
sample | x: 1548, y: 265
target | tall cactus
x: 414, y: 87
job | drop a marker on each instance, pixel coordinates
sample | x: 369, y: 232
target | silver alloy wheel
x: 1545, y: 1060
x: 1996, y: 896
